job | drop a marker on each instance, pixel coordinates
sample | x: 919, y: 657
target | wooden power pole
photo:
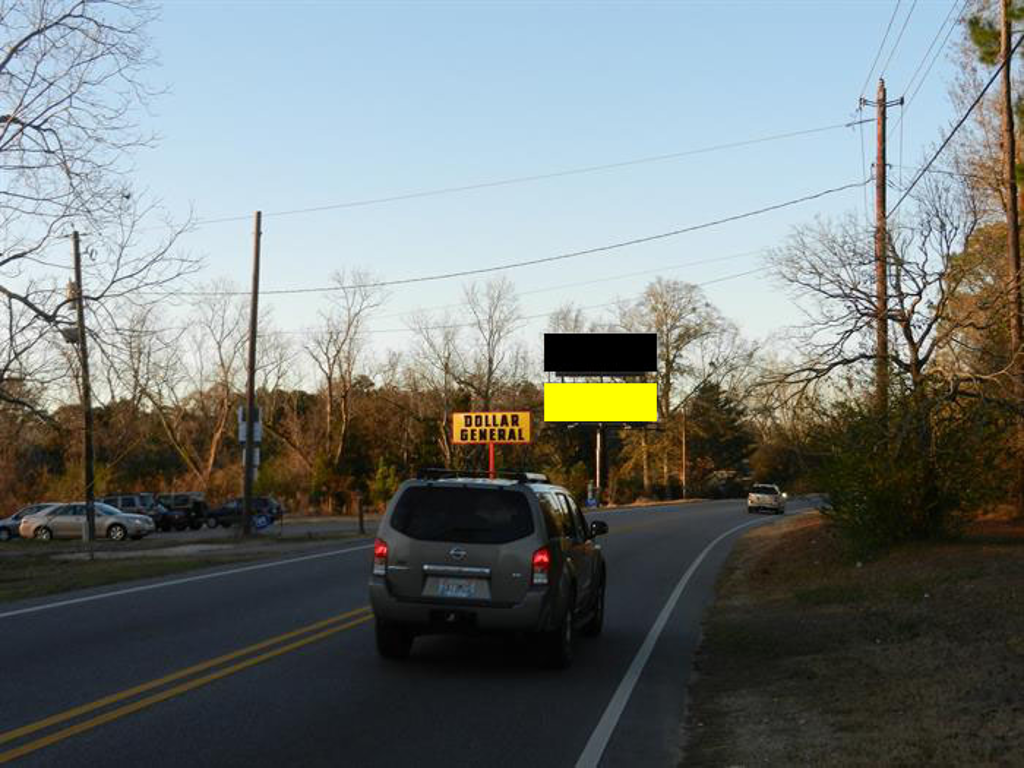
x: 881, y: 255
x: 83, y: 358
x: 250, y: 385
x: 1012, y: 250
x: 683, y: 474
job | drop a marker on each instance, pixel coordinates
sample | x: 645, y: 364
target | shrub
x: 384, y: 484
x: 919, y: 475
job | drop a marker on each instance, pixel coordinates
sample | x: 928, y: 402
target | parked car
x: 9, y: 525
x: 230, y: 512
x: 766, y: 497
x: 470, y: 555
x: 191, y: 503
x: 66, y: 521
x: 146, y: 504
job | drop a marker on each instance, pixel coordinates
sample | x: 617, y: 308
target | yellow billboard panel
x: 600, y: 401
x: 476, y: 427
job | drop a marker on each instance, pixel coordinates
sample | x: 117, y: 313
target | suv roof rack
x: 440, y: 473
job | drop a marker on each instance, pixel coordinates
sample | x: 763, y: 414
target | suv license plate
x: 456, y: 588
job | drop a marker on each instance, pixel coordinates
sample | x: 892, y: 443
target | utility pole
x: 683, y: 458
x: 1012, y: 249
x: 83, y: 357
x: 597, y: 463
x: 250, y: 384
x: 881, y: 255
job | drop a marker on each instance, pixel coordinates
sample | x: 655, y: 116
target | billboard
x: 600, y: 402
x: 600, y: 354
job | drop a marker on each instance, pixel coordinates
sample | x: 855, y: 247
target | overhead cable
x: 960, y: 122
x: 529, y: 262
x: 537, y: 177
x: 881, y: 72
x: 881, y: 45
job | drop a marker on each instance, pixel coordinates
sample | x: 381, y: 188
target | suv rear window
x: 465, y: 515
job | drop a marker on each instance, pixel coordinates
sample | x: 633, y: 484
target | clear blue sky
x: 279, y: 106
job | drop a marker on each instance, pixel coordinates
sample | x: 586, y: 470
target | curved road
x: 274, y: 664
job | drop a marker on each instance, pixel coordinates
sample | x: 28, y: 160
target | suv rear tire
x: 557, y: 644
x: 393, y: 641
x: 596, y: 621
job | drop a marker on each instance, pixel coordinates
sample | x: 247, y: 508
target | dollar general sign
x: 491, y: 427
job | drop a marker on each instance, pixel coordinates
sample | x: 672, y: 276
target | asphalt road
x: 274, y: 664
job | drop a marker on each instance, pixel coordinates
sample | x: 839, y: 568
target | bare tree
x: 695, y: 345
x: 70, y: 81
x: 337, y: 349
x: 829, y: 265
x: 192, y: 377
x: 495, y: 358
x: 435, y: 371
x: 568, y: 318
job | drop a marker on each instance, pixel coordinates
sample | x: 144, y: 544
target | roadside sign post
x: 250, y: 436
x: 491, y: 428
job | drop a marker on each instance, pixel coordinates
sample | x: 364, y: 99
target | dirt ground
x: 811, y: 658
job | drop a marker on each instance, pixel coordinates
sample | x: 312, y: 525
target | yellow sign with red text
x: 499, y: 427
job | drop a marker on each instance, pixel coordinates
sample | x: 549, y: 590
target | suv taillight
x: 380, y: 557
x: 541, y: 566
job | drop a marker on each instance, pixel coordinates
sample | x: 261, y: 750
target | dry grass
x: 39, y: 576
x: 914, y: 659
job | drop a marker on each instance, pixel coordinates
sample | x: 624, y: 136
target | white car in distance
x: 767, y: 498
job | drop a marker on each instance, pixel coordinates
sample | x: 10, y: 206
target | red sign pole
x: 490, y: 453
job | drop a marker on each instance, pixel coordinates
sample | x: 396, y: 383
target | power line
x: 881, y: 45
x: 935, y: 57
x: 535, y: 177
x: 951, y: 172
x: 539, y: 315
x: 950, y: 15
x: 864, y: 165
x: 577, y: 284
x: 899, y: 37
x: 529, y: 262
x: 310, y: 329
x: 938, y: 33
x: 959, y: 123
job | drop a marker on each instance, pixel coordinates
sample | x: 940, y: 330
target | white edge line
x: 175, y: 582
x: 599, y: 739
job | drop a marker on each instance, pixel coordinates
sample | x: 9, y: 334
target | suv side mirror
x: 598, y: 528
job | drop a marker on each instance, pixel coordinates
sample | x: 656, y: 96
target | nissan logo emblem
x: 457, y: 553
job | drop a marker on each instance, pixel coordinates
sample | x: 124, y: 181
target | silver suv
x: 464, y: 554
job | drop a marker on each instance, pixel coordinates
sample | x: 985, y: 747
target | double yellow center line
x: 279, y: 645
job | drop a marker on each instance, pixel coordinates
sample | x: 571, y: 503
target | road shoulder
x: 45, y: 573
x: 810, y: 658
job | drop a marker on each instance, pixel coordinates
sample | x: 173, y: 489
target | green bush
x: 917, y: 475
x: 384, y: 484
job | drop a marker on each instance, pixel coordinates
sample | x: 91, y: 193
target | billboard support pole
x: 490, y: 461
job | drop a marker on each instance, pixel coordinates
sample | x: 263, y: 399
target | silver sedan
x: 9, y: 526
x: 67, y: 521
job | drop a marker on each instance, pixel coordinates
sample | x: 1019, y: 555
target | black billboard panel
x: 597, y: 354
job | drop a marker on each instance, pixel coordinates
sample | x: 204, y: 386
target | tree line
x: 345, y: 419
